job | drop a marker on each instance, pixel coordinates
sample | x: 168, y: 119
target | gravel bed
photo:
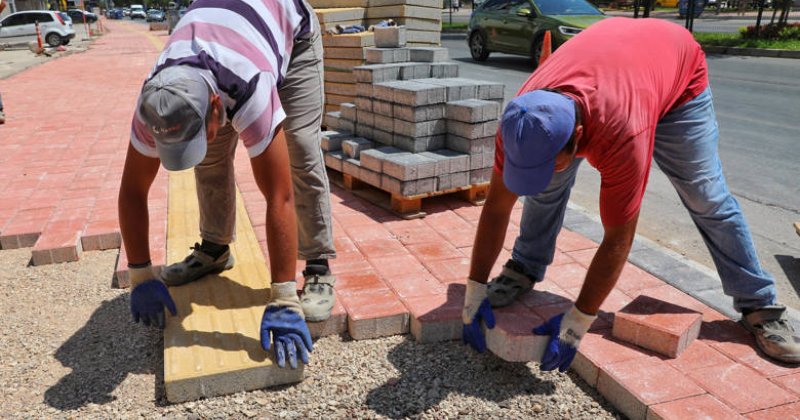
x: 69, y: 350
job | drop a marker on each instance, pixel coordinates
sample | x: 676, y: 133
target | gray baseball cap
x: 173, y: 108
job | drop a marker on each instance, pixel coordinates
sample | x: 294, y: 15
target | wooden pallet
x: 406, y: 207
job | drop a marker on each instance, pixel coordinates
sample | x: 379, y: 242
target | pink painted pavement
x: 61, y: 155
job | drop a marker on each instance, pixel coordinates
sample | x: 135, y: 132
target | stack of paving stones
x: 420, y: 22
x: 415, y: 127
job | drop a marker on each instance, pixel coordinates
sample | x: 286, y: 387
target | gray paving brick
x: 473, y: 110
x: 384, y: 108
x: 396, y: 186
x: 491, y: 90
x: 376, y: 73
x: 346, y: 126
x: 413, y: 93
x: 373, y: 159
x: 457, y: 88
x: 352, y: 147
x: 390, y: 37
x: 351, y: 167
x: 480, y: 176
x: 384, y: 91
x: 331, y: 120
x: 470, y: 146
x: 472, y: 131
x: 348, y: 111
x: 426, y: 185
x: 481, y: 160
x: 384, y: 123
x: 366, y: 131
x: 365, y: 117
x: 448, y: 161
x: 332, y: 140
x: 428, y: 54
x: 364, y: 103
x: 452, y: 180
x: 418, y: 113
x: 444, y: 70
x: 413, y: 71
x: 370, y: 177
x: 375, y: 55
x: 334, y: 160
x: 420, y: 129
x: 419, y: 144
x: 383, y: 137
x: 409, y: 167
x: 364, y: 89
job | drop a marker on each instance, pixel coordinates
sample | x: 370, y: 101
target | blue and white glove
x: 149, y: 296
x: 565, y: 331
x: 476, y: 309
x: 284, y: 320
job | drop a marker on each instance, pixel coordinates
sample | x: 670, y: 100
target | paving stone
x: 436, y: 318
x: 457, y: 88
x: 370, y: 177
x: 741, y: 388
x: 418, y: 113
x: 420, y: 129
x: 448, y: 161
x: 491, y: 90
x: 383, y: 137
x: 631, y: 388
x: 423, y: 38
x: 352, y: 147
x: 414, y: 93
x: 512, y: 339
x: 429, y: 55
x: 364, y: 89
x: 452, y: 180
x: 786, y: 411
x: 335, y: 325
x: 351, y: 167
x: 697, y: 407
x: 384, y: 108
x: 345, y: 53
x: 60, y: 242
x: 481, y: 160
x: 470, y: 146
x: 384, y: 123
x: 363, y: 39
x: 365, y: 118
x: 332, y: 140
x: 426, y: 185
x: 598, y: 349
x: 422, y: 3
x: 377, y: 73
x: 472, y: 131
x: 480, y: 176
x: 407, y: 167
x: 364, y: 130
x: 473, y: 111
x: 373, y: 159
x: 444, y: 70
x: 660, y: 326
x: 411, y: 71
x: 364, y: 104
x: 390, y: 37
x: 347, y: 126
x: 419, y: 144
x: 375, y: 313
x: 396, y: 186
x: 331, y: 120
x: 334, y: 160
x: 23, y: 230
x: 386, y: 55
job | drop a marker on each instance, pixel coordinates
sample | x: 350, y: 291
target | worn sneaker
x: 774, y: 334
x: 509, y: 285
x: 318, y: 298
x: 195, y: 266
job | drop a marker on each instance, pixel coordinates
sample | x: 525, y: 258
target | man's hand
x: 148, y: 297
x: 565, y: 331
x: 476, y: 309
x: 283, y: 320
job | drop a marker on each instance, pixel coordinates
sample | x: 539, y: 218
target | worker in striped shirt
x: 249, y: 70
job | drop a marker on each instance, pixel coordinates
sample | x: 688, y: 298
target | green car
x: 518, y: 26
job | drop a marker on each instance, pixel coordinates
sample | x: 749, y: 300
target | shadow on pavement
x: 430, y: 372
x: 102, y: 354
x: 791, y: 267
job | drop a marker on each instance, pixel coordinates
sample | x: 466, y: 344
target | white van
x: 137, y: 12
x: 20, y: 27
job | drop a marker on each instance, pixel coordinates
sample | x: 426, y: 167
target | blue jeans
x: 686, y: 151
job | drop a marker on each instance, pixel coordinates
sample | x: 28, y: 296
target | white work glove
x: 565, y: 331
x: 476, y: 309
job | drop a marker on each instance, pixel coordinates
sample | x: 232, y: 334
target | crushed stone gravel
x: 69, y: 350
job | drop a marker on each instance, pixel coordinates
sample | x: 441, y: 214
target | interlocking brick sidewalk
x: 61, y: 156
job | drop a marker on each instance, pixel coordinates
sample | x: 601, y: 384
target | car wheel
x: 53, y: 39
x: 536, y: 50
x: 477, y: 46
x: 65, y: 41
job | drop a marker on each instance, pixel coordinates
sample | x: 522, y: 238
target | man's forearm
x: 134, y: 225
x: 489, y: 240
x: 282, y: 238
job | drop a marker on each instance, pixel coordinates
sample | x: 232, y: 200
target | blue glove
x: 289, y: 334
x: 565, y: 331
x: 476, y: 309
x: 147, y: 303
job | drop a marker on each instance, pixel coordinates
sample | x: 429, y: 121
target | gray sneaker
x: 195, y: 266
x: 318, y: 298
x: 774, y: 334
x: 509, y: 285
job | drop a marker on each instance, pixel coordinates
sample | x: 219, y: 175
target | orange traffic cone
x: 38, y: 36
x: 547, y: 47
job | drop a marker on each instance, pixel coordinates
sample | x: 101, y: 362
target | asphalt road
x: 757, y: 102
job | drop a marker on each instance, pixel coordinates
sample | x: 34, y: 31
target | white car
x: 137, y: 12
x: 20, y: 27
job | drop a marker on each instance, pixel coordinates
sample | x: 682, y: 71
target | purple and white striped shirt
x: 243, y: 49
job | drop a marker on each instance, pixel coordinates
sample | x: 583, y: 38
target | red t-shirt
x: 626, y: 74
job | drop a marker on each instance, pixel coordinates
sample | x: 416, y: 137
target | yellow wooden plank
x: 212, y: 346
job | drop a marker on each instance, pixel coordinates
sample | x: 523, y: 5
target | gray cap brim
x: 185, y: 154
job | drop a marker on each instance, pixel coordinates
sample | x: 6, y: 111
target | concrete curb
x: 751, y: 52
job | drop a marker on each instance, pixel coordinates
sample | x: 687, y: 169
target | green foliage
x: 735, y: 40
x: 773, y: 31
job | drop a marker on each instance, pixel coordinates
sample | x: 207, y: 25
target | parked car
x: 137, y: 12
x: 78, y: 14
x: 21, y: 27
x: 126, y: 11
x: 155, y: 15
x: 518, y: 26
x: 65, y: 16
x: 115, y: 13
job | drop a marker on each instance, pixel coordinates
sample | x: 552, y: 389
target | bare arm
x: 491, y: 229
x: 134, y: 218
x: 606, y: 266
x: 273, y: 176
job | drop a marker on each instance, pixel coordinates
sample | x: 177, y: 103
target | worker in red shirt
x: 620, y: 94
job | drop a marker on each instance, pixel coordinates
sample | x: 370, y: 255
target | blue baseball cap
x: 535, y: 127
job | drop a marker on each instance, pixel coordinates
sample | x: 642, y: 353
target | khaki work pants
x: 302, y: 97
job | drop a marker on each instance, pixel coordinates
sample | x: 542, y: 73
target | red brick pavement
x: 61, y: 155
